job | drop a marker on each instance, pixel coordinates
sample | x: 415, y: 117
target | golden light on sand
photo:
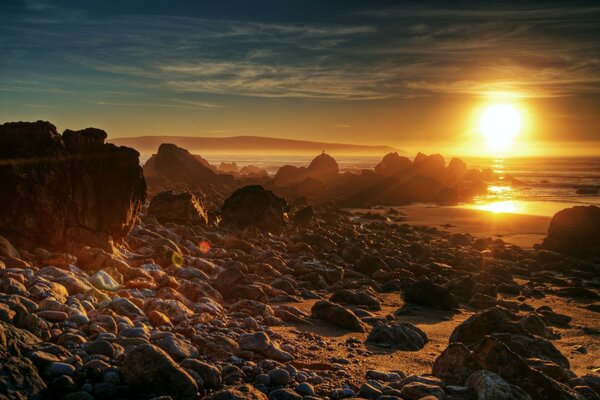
x: 497, y: 207
x: 499, y: 125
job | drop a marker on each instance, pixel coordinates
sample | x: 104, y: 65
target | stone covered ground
x: 334, y: 306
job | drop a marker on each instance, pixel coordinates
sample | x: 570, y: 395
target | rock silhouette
x: 575, y: 231
x: 253, y: 206
x: 67, y: 189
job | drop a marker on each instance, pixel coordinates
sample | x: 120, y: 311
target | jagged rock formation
x: 392, y: 164
x: 322, y: 168
x: 575, y: 231
x: 180, y: 166
x: 69, y: 189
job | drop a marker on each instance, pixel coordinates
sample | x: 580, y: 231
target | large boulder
x: 323, y: 168
x: 337, y: 315
x: 458, y: 362
x: 429, y: 166
x: 392, y: 164
x: 19, y: 378
x: 181, y: 208
x: 399, y: 335
x: 575, y: 231
x: 457, y: 170
x: 178, y: 165
x: 68, y: 189
x: 430, y: 294
x: 253, y: 206
x: 150, y: 370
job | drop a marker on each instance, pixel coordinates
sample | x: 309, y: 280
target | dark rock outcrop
x: 429, y: 294
x: 575, y: 231
x: 323, y: 168
x: 458, y: 362
x: 67, y: 189
x: 150, y: 370
x: 253, y: 206
x: 392, y: 164
x: 178, y: 165
x: 181, y: 208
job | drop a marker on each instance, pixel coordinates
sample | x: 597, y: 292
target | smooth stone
x: 59, y: 368
x: 279, y: 377
x: 305, y: 389
x: 100, y: 347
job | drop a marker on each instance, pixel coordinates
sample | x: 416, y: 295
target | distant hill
x: 247, y: 144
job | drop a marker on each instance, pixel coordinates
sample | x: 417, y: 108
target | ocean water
x: 548, y: 184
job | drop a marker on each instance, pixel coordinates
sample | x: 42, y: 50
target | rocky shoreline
x: 234, y: 296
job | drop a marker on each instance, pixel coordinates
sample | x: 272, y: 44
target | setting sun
x: 500, y: 124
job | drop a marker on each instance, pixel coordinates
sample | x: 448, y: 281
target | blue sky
x: 339, y: 70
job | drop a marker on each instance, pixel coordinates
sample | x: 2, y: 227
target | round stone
x: 279, y: 377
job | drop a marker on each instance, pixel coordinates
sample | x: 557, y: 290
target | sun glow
x: 499, y: 125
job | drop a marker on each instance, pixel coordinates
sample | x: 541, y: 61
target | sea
x: 547, y: 185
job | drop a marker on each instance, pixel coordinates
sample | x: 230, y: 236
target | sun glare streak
x: 498, y: 207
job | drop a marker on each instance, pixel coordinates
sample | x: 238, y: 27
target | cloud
x: 371, y: 55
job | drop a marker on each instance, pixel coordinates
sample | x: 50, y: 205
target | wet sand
x: 520, y: 229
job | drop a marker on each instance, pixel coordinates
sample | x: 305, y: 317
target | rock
x: 260, y: 342
x: 279, y: 377
x: 303, y: 216
x: 53, y: 316
x: 369, y: 265
x: 369, y: 392
x: 125, y: 307
x: 490, y: 386
x: 392, y: 164
x: 429, y: 294
x: 102, y: 186
x: 457, y: 362
x: 357, y: 297
x: 323, y: 168
x: 211, y: 376
x: 103, y: 281
x: 253, y: 206
x: 177, y: 165
x: 484, y: 323
x: 101, y: 347
x: 177, y: 348
x: 239, y: 392
x: 575, y: 231
x: 401, y: 335
x: 457, y: 170
x: 180, y: 208
x: 59, y: 368
x: 419, y: 390
x: 148, y: 369
x: 19, y: 379
x: 284, y: 394
x: 80, y: 395
x: 337, y: 315
x: 305, y: 389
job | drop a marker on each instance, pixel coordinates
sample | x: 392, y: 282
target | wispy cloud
x: 375, y: 54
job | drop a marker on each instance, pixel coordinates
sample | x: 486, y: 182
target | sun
x: 499, y: 125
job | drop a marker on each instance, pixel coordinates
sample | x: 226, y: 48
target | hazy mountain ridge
x: 149, y: 144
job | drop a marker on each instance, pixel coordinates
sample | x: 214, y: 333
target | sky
x: 371, y: 72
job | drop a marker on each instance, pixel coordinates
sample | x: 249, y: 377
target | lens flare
x: 204, y: 247
x: 176, y: 258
